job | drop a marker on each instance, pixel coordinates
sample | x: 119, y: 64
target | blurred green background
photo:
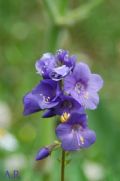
x: 90, y: 29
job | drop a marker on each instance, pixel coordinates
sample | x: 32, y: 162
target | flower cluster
x: 68, y: 88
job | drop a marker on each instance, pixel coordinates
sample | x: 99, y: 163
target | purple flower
x: 55, y: 66
x: 74, y: 133
x: 45, y: 65
x: 48, y: 92
x: 49, y: 113
x: 66, y: 104
x: 43, y: 153
x: 31, y: 103
x: 83, y: 86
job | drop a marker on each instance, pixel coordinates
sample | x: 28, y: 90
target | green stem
x: 63, y: 166
x: 52, y: 10
x: 53, y: 38
x: 63, y: 6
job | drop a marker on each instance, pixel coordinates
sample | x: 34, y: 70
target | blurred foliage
x: 90, y: 29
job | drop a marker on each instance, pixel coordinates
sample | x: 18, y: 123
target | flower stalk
x: 63, y: 166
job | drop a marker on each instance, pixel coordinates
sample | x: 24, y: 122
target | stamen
x: 86, y: 95
x: 65, y: 116
x: 46, y: 99
x: 82, y: 139
x: 78, y: 87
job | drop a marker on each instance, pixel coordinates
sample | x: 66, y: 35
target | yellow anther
x: 64, y: 117
x: 82, y: 139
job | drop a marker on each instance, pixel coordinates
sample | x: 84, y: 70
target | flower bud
x: 43, y: 153
x: 46, y: 151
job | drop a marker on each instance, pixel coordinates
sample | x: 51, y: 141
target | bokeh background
x: 91, y: 30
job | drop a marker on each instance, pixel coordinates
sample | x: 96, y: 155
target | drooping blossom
x: 66, y: 104
x: 74, y: 133
x: 45, y: 95
x: 48, y: 92
x: 83, y: 86
x: 31, y: 103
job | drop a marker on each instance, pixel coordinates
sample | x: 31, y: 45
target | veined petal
x: 69, y: 83
x: 87, y: 137
x: 81, y: 72
x: 67, y: 137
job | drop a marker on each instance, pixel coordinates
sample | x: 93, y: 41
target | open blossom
x: 66, y: 104
x: 55, y: 66
x: 44, y: 95
x: 31, y: 103
x: 74, y: 133
x: 83, y: 86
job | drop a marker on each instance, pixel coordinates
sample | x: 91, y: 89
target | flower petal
x: 88, y: 136
x: 69, y: 83
x: 31, y: 104
x: 77, y: 118
x: 68, y: 139
x: 96, y: 82
x: 92, y: 101
x: 49, y: 113
x: 81, y: 72
x: 59, y: 72
x: 45, y: 64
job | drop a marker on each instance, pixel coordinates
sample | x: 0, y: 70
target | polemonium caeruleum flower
x: 48, y: 92
x: 74, y: 133
x: 55, y: 66
x: 44, y: 95
x: 83, y: 86
x: 66, y: 104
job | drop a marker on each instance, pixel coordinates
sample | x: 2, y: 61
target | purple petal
x: 81, y: 72
x: 89, y: 137
x: 69, y: 105
x: 77, y: 118
x: 88, y: 99
x: 45, y: 64
x: 63, y: 130
x: 46, y: 87
x: 48, y: 105
x: 69, y: 83
x: 61, y: 54
x: 65, y: 134
x: 49, y: 113
x: 31, y: 104
x: 92, y: 101
x: 96, y: 82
